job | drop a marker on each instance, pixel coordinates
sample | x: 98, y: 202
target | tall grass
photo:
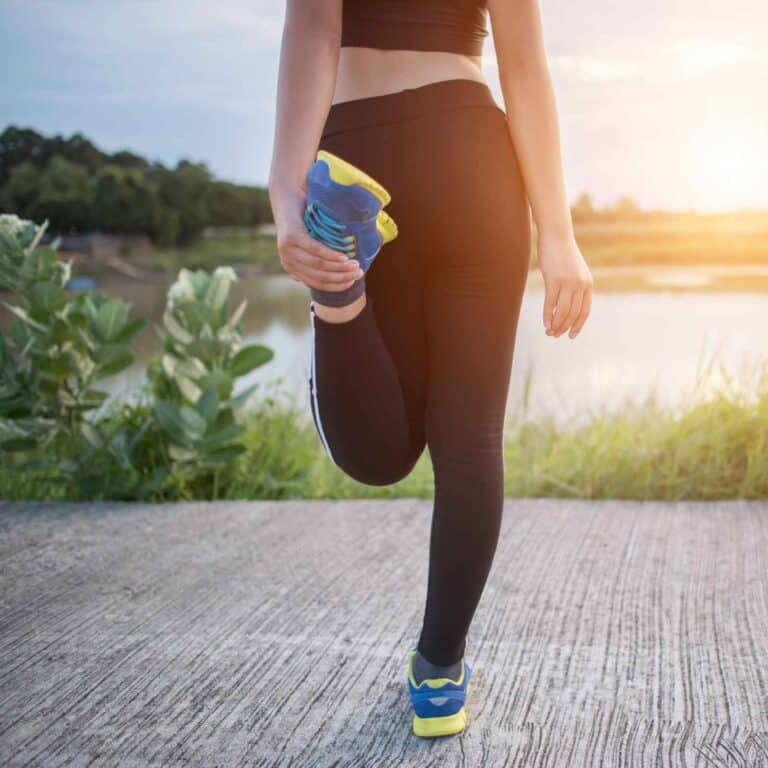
x: 715, y: 447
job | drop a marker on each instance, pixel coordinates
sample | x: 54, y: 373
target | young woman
x: 417, y: 350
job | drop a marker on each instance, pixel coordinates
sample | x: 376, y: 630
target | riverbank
x: 715, y: 448
x: 722, y: 241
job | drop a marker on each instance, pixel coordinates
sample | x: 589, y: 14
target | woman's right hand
x: 308, y: 260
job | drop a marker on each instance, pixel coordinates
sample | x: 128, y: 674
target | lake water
x: 651, y: 330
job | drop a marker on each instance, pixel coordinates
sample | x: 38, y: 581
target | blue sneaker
x: 344, y: 209
x: 438, y: 703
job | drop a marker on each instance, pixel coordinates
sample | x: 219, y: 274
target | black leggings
x: 427, y: 361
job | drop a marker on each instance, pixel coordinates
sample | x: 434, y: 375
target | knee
x: 373, y: 469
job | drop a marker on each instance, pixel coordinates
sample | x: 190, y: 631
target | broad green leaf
x: 241, y: 398
x: 46, y: 297
x: 219, y: 381
x: 118, y: 363
x: 222, y: 437
x: 206, y: 350
x: 225, y: 454
x: 249, y: 358
x: 169, y: 418
x: 194, y: 423
x: 111, y: 318
x: 179, y: 453
x: 208, y: 405
x: 131, y: 330
x: 58, y: 365
x: 188, y: 388
x: 104, y: 353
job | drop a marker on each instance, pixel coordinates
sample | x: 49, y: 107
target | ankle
x: 340, y: 314
x: 423, y: 668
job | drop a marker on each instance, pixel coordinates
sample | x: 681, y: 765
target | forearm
x: 309, y: 57
x: 532, y: 118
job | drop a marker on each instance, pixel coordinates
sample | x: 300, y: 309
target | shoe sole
x: 344, y: 172
x: 430, y: 727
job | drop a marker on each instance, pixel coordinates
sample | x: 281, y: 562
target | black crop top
x: 458, y: 26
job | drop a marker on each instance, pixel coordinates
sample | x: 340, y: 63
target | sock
x: 339, y: 298
x: 423, y: 669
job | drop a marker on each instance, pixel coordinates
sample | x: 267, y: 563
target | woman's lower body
x: 427, y: 361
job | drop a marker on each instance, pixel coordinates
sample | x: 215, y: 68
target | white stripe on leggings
x: 313, y: 384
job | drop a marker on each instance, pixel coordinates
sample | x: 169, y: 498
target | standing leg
x: 471, y: 346
x: 472, y: 304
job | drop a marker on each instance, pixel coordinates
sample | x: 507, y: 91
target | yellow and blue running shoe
x: 438, y: 704
x: 344, y: 209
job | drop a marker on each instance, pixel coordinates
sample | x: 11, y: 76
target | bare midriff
x: 365, y: 72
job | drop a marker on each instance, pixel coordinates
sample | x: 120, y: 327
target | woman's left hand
x: 567, y: 285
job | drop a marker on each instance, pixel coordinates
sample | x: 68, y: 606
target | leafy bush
x: 192, y: 381
x: 185, y: 432
x: 59, y: 346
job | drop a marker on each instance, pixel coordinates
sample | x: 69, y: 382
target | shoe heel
x: 430, y: 727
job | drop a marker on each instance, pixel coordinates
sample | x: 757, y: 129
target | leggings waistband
x: 408, y: 103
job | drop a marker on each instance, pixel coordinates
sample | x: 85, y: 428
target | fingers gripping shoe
x: 438, y: 703
x: 344, y: 209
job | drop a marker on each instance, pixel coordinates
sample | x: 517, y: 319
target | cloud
x: 666, y: 62
x: 597, y: 68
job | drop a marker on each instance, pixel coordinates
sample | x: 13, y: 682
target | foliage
x: 193, y: 379
x: 179, y: 439
x: 77, y: 187
x: 58, y: 349
x: 188, y: 436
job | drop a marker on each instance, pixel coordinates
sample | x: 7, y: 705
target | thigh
x: 475, y: 285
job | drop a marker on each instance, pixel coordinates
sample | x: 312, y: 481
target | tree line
x: 79, y: 188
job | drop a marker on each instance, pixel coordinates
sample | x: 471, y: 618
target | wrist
x: 560, y: 233
x: 284, y: 198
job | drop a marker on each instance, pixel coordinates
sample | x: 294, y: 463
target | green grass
x: 208, y: 252
x: 716, y: 448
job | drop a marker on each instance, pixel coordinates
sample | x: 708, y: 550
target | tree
x: 583, y: 206
x: 75, y: 185
x: 123, y: 200
x: 627, y: 205
x: 20, y: 189
x: 64, y: 196
x: 186, y: 190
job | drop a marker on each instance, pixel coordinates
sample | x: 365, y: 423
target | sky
x: 664, y: 101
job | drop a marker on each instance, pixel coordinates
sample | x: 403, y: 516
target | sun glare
x: 731, y: 164
x: 727, y: 171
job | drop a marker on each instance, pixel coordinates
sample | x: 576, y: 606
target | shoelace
x: 328, y: 230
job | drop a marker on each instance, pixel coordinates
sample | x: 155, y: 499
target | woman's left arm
x: 533, y: 124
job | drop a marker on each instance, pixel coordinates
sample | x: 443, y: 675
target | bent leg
x: 357, y: 400
x: 368, y: 379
